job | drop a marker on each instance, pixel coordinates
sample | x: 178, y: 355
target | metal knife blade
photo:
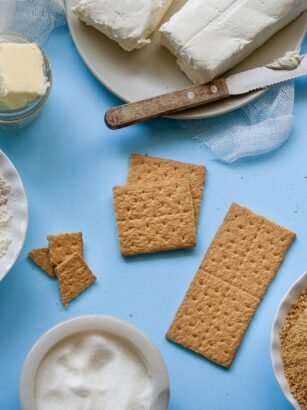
x: 262, y: 77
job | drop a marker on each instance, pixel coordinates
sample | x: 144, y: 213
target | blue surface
x: 69, y: 162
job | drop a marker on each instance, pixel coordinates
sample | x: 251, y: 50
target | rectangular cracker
x: 212, y: 319
x: 74, y: 277
x: 154, y: 217
x: 241, y: 261
x: 63, y: 245
x: 40, y: 256
x: 144, y: 168
x: 247, y: 250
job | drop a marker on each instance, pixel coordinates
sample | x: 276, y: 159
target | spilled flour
x: 5, y: 217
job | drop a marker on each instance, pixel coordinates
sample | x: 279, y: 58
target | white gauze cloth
x: 32, y: 18
x: 257, y: 128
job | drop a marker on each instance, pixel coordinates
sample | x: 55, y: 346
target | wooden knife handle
x: 170, y: 103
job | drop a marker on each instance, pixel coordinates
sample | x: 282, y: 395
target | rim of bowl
x: 287, y: 301
x: 148, y: 352
x: 34, y: 106
x: 23, y: 212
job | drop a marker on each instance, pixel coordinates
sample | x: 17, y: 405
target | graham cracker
x: 154, y: 217
x: 247, y: 250
x: 74, y: 277
x: 213, y: 319
x: 144, y: 168
x: 63, y: 245
x: 40, y: 256
x: 240, y: 263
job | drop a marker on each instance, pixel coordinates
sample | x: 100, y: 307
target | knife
x: 237, y: 84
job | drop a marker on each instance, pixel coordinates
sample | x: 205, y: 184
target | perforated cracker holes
x: 154, y: 217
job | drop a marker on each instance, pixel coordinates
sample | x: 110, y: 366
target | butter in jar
x: 25, y: 80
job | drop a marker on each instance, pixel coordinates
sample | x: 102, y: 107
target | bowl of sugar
x: 94, y: 362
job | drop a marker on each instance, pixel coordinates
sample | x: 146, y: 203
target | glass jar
x: 21, y: 117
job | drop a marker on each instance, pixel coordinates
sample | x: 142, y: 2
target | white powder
x: 5, y: 217
x: 93, y: 371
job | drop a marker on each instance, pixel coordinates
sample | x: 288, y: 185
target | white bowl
x: 147, y: 350
x: 18, y: 206
x: 291, y: 296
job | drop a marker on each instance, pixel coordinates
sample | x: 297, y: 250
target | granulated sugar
x: 294, y: 349
x: 5, y: 217
x: 93, y: 371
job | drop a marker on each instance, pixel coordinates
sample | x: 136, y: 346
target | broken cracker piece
x: 154, y: 217
x: 64, y: 245
x: 74, y: 277
x: 40, y: 256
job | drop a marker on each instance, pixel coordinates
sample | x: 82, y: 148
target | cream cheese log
x: 209, y: 37
x: 128, y: 22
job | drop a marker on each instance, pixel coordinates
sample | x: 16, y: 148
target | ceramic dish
x: 152, y: 70
x: 146, y: 349
x: 18, y: 206
x: 291, y: 296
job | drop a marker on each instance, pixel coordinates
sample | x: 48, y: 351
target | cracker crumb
x: 294, y: 349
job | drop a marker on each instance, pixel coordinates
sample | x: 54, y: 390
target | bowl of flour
x: 94, y: 362
x: 13, y: 215
x: 288, y: 344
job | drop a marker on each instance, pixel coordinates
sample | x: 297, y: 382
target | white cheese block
x: 22, y: 77
x: 209, y: 37
x: 128, y: 22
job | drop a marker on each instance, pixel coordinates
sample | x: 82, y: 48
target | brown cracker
x: 63, y: 245
x: 240, y: 263
x: 74, y: 277
x: 40, y: 256
x: 154, y: 217
x: 213, y: 319
x: 144, y: 168
x: 247, y: 250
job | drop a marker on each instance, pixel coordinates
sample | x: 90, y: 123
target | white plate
x: 17, y: 204
x: 152, y: 70
x: 143, y: 345
x: 292, y: 295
